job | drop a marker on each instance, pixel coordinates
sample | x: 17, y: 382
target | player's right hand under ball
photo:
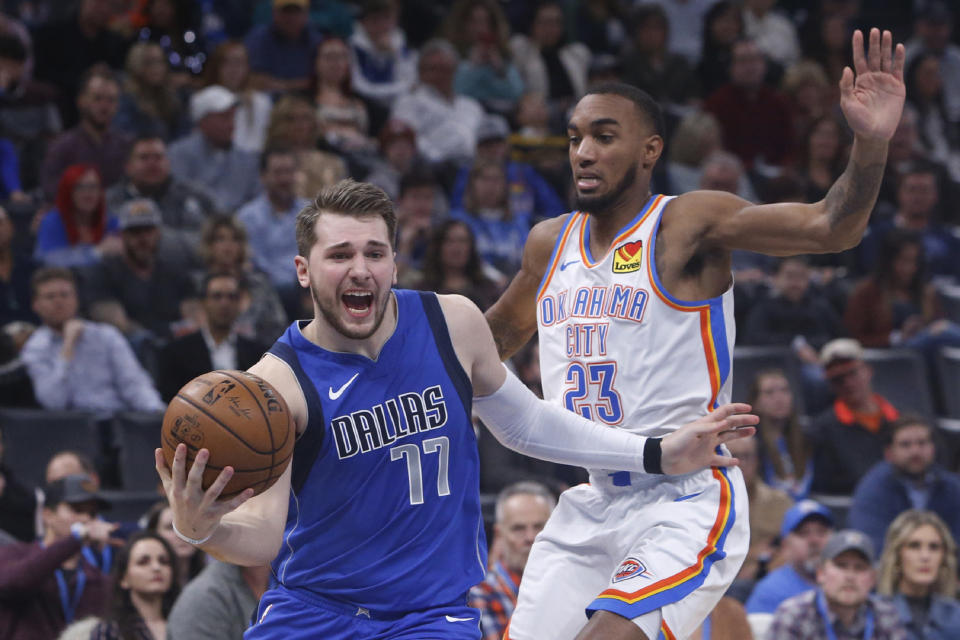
x: 196, y: 513
x: 694, y: 446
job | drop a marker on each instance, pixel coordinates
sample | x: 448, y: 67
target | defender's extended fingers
x: 886, y: 51
x: 736, y: 433
x: 873, y: 51
x: 195, y: 477
x: 899, y: 58
x: 859, y: 58
x: 724, y: 411
x: 724, y: 461
x: 179, y: 464
x: 216, y: 488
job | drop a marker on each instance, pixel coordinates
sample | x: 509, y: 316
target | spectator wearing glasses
x: 857, y: 421
x: 216, y: 345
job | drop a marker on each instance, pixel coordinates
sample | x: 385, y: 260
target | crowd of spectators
x: 154, y: 155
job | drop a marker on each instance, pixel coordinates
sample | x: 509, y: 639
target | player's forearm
x: 850, y: 200
x: 244, y: 540
x: 508, y: 338
x: 534, y: 427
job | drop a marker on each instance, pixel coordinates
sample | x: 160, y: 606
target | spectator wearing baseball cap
x: 281, y: 52
x: 841, y: 606
x: 147, y: 279
x: 46, y: 585
x: 208, y: 158
x: 804, y: 531
x: 857, y: 422
x: 531, y: 195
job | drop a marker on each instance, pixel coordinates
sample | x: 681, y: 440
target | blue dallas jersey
x: 384, y: 509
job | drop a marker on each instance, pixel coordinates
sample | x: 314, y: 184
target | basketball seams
x: 266, y: 420
x: 193, y: 448
x: 232, y: 429
x: 225, y: 427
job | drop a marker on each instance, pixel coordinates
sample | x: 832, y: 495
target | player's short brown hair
x: 350, y: 198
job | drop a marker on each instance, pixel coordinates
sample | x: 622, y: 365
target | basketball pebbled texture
x: 241, y: 419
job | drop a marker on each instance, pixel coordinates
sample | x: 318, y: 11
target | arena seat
x: 751, y: 360
x: 948, y: 369
x: 32, y: 436
x: 137, y: 434
x: 900, y: 376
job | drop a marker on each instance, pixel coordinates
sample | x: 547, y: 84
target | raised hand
x: 872, y: 101
x: 694, y: 446
x: 196, y: 513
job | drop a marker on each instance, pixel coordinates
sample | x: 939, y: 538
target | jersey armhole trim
x: 308, y: 446
x: 441, y: 337
x: 558, y: 247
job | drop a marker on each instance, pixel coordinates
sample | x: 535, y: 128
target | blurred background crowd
x: 154, y: 155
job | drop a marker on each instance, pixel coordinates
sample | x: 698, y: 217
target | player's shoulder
x: 704, y: 201
x: 279, y: 374
x: 459, y: 311
x: 542, y: 239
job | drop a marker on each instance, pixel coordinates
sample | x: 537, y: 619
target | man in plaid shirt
x: 841, y: 607
x: 521, y: 512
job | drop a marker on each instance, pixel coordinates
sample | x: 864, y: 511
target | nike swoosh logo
x: 452, y: 619
x: 339, y: 392
x: 567, y: 264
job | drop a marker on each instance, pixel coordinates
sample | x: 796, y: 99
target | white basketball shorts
x: 663, y: 549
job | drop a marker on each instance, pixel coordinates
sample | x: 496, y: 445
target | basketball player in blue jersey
x: 375, y: 530
x: 632, y: 298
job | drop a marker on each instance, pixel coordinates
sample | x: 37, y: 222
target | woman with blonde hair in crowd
x: 341, y: 115
x: 918, y: 569
x: 150, y: 105
x: 229, y: 67
x: 293, y: 125
x: 783, y: 449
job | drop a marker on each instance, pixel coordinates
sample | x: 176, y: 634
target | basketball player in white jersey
x: 632, y: 298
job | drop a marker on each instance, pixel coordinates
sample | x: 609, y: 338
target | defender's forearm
x: 851, y: 198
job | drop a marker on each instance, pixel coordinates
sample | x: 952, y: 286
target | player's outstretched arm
x: 535, y: 427
x: 513, y: 318
x: 872, y: 101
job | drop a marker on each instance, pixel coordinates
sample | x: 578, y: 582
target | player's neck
x: 605, y: 227
x: 323, y: 334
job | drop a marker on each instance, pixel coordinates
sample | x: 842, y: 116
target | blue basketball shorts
x: 286, y: 614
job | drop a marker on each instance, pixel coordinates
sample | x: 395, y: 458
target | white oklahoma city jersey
x: 618, y: 348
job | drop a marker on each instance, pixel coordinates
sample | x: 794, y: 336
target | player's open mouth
x: 587, y: 181
x: 358, y: 303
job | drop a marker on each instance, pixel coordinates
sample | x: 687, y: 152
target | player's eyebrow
x: 599, y: 122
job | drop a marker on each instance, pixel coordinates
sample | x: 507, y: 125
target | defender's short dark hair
x: 350, y: 198
x: 640, y: 98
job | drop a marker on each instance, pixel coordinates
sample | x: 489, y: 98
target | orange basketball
x: 240, y: 419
